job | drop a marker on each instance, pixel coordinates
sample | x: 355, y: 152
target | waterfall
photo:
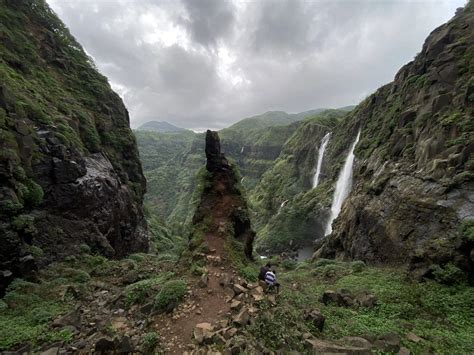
x: 343, y: 187
x: 322, y: 148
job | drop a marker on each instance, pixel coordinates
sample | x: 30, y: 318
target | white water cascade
x: 322, y: 148
x: 343, y: 187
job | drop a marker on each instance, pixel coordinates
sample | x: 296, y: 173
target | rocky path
x: 206, y: 302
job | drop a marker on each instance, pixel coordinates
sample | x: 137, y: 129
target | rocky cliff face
x: 69, y: 167
x: 413, y: 196
x: 222, y: 209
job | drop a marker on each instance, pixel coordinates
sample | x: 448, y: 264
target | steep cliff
x: 287, y: 210
x: 69, y: 167
x: 413, y: 196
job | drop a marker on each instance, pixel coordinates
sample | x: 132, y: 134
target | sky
x: 203, y: 64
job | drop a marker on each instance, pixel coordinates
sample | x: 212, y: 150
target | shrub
x: 357, y: 266
x: 150, y: 341
x: 467, y: 230
x: 171, y: 292
x: 289, y: 264
x: 450, y: 274
x: 34, y: 194
x: 249, y: 273
x: 323, y: 262
x: 35, y: 251
x: 79, y: 276
x: 138, y: 291
x: 85, y: 249
x: 137, y: 257
x: 24, y: 223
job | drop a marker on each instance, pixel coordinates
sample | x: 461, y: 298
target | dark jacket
x: 263, y: 271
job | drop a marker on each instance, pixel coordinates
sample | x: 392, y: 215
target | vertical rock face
x: 69, y: 167
x: 413, y: 196
x: 215, y: 160
x: 222, y: 206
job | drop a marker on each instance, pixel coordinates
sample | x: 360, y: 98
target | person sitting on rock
x: 271, y: 281
x: 263, y: 271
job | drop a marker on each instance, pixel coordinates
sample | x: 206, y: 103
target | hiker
x: 271, y: 280
x: 263, y: 271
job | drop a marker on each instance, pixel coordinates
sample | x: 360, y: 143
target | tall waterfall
x: 322, y: 148
x: 343, y: 187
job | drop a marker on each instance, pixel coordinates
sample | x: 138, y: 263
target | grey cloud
x: 209, y: 63
x: 208, y: 20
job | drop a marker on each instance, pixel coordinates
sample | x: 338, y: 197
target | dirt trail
x: 203, y: 304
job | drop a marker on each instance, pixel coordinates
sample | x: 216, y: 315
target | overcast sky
x: 208, y: 63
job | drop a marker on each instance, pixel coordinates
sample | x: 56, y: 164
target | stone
x: 203, y: 281
x: 367, y: 300
x: 389, y: 342
x: 235, y: 305
x: 229, y: 292
x: 333, y: 297
x: 272, y: 299
x: 238, y: 289
x: 130, y: 277
x: 242, y: 318
x: 125, y: 345
x: 316, y: 318
x: 104, y: 345
x: 50, y: 351
x: 230, y: 332
x: 321, y: 346
x: 203, y: 333
x: 357, y: 342
x: 72, y: 318
x: 404, y: 351
x: 413, y: 337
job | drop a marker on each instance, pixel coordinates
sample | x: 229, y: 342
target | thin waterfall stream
x: 322, y: 148
x: 343, y: 186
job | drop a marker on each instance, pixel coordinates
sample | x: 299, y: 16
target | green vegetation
x: 138, y: 291
x: 150, y: 341
x: 170, y: 293
x: 439, y: 314
x: 27, y: 309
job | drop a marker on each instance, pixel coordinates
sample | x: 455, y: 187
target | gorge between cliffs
x: 151, y: 240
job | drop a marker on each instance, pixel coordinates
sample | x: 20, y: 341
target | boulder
x: 332, y: 297
x: 366, y: 300
x: 321, y: 346
x: 316, y: 318
x: 413, y: 337
x: 238, y: 289
x: 235, y: 305
x: 72, y: 318
x: 242, y: 318
x: 124, y: 346
x: 104, y: 345
x: 389, y: 343
x: 203, y: 333
x: 357, y: 342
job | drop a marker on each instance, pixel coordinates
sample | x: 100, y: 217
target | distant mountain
x: 160, y: 126
x: 272, y: 119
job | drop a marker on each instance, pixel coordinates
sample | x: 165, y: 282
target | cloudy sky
x: 208, y: 63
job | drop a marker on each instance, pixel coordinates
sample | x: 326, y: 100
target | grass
x: 171, y: 292
x: 138, y: 291
x: 27, y: 309
x: 440, y: 314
